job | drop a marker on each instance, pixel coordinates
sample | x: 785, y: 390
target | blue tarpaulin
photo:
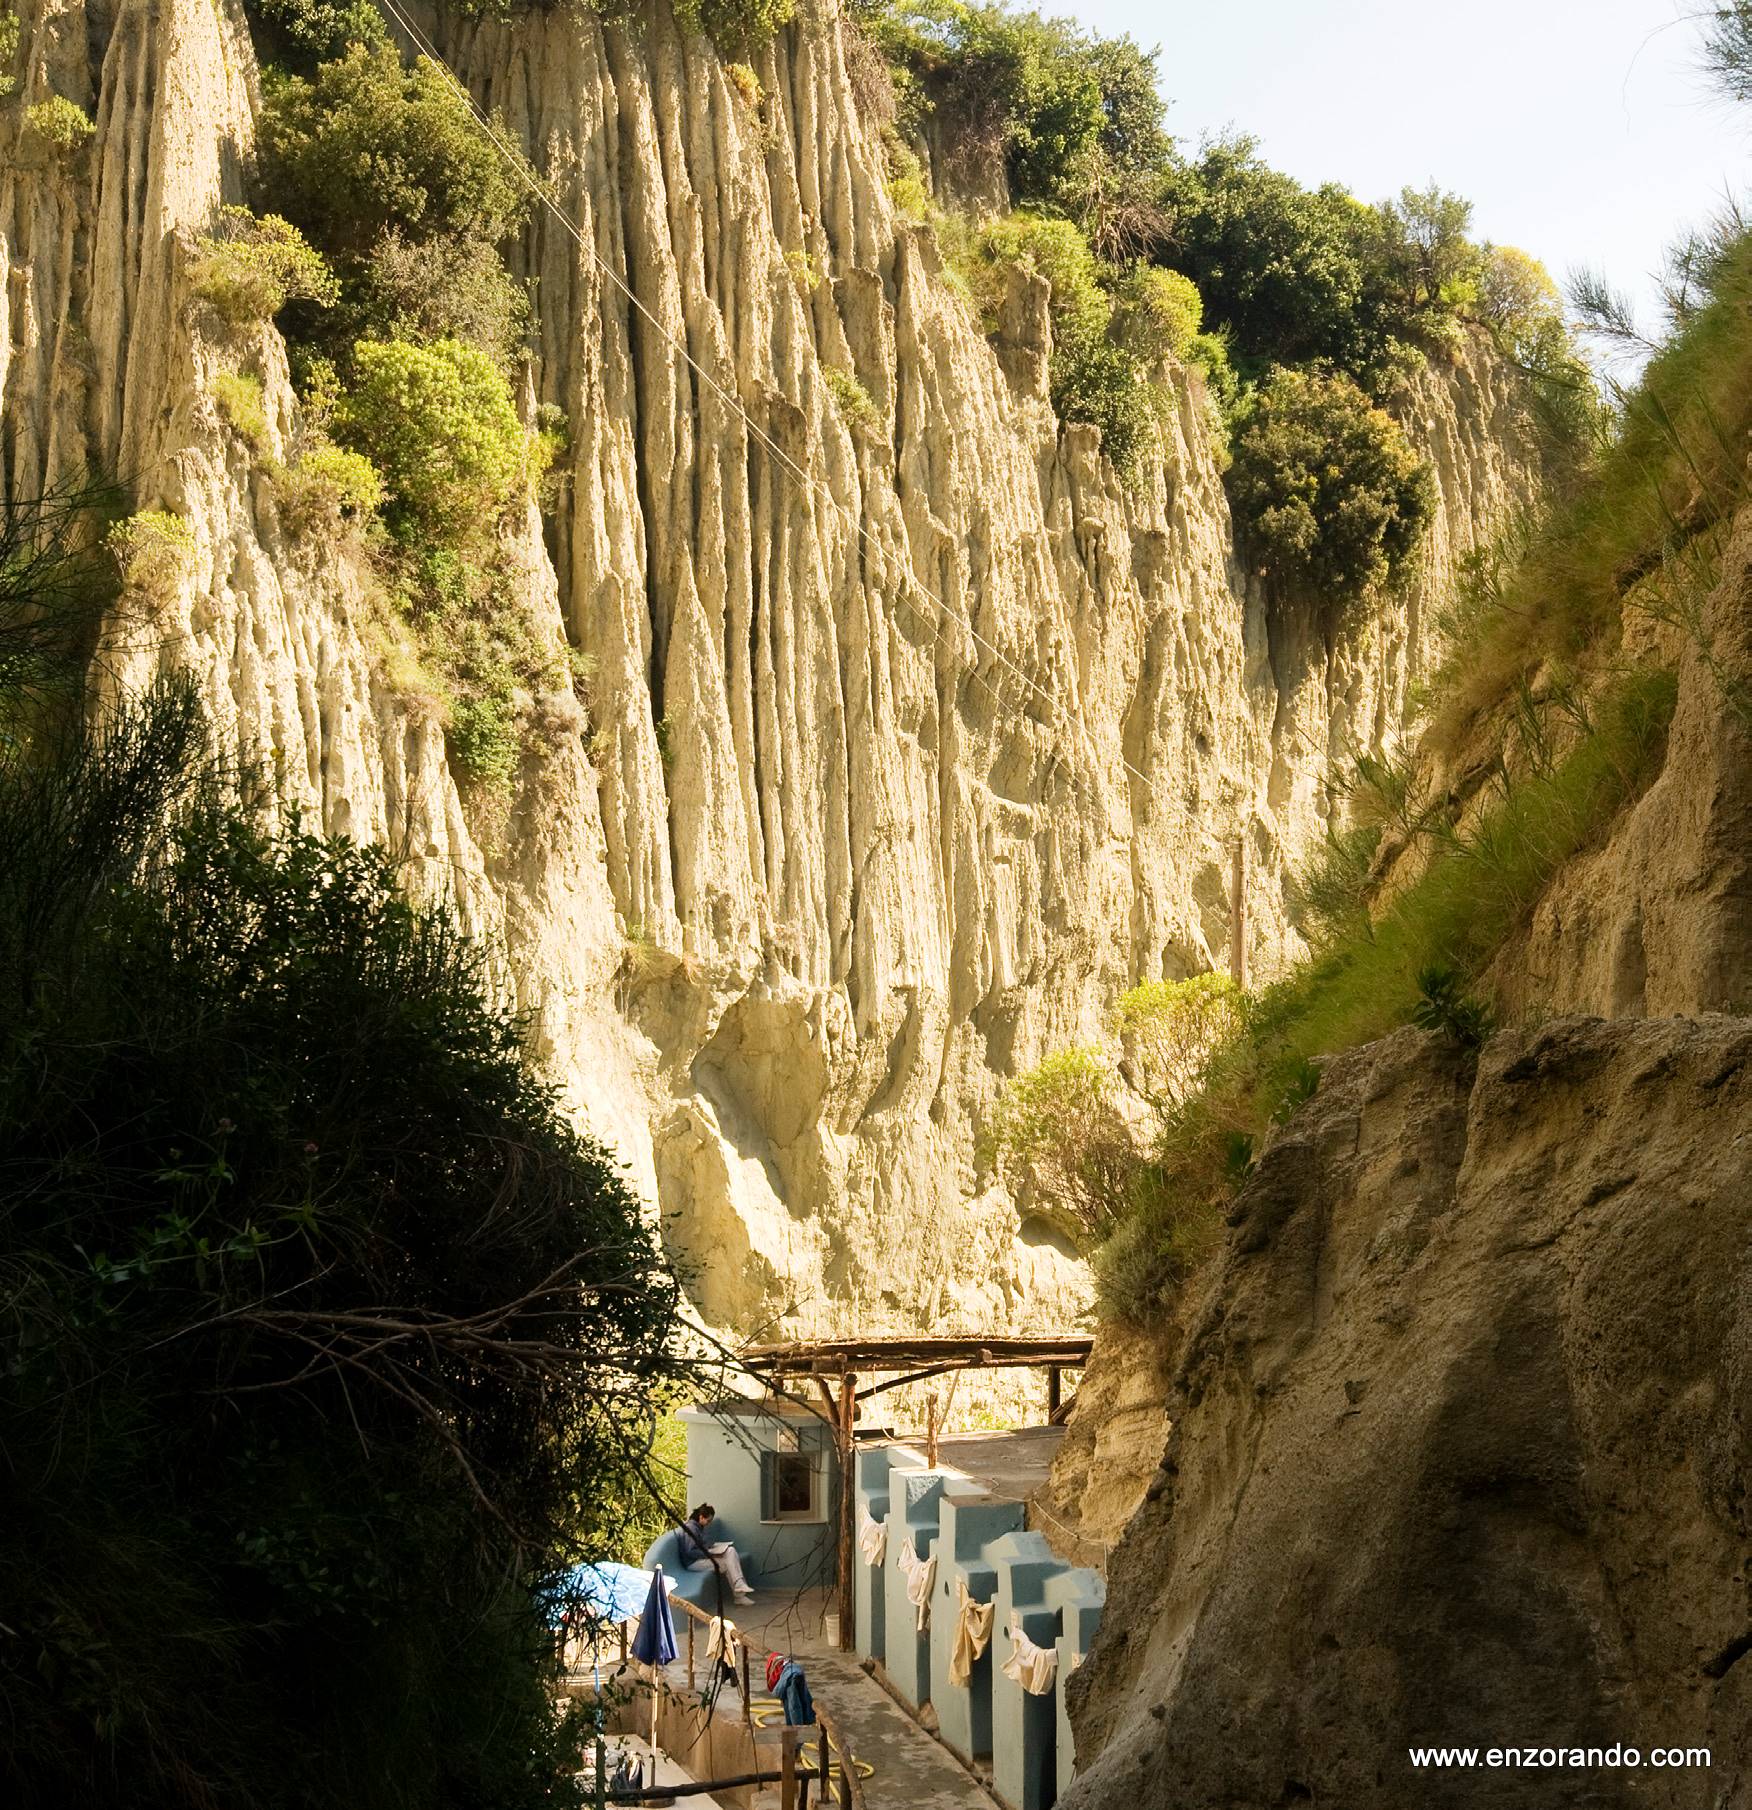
x: 654, y: 1644
x: 609, y: 1591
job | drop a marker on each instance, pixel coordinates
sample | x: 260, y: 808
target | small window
x: 791, y: 1486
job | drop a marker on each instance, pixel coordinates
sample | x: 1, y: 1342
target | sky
x: 1581, y: 130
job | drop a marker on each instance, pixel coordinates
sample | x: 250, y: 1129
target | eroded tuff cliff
x: 890, y: 780
x: 1463, y: 1443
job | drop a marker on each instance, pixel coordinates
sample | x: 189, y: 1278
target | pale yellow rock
x: 892, y: 778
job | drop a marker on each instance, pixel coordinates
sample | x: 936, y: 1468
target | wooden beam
x: 1054, y: 1392
x: 848, y: 1409
x: 912, y: 1376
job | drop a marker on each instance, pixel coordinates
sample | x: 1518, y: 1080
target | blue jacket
x: 792, y: 1691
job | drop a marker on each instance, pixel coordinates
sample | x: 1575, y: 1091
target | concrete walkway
x: 913, y: 1770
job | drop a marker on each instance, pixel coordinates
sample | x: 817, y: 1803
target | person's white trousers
x: 724, y: 1558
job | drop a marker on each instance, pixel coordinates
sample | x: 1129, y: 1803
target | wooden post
x: 848, y: 1408
x: 601, y: 1766
x: 787, y: 1769
x: 623, y: 1643
x: 1054, y: 1394
x: 690, y: 1652
x: 747, y: 1698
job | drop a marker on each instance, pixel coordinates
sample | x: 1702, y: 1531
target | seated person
x: 701, y: 1553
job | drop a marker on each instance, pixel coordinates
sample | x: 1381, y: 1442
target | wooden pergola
x: 835, y: 1365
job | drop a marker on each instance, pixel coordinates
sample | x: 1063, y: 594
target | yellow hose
x: 766, y: 1711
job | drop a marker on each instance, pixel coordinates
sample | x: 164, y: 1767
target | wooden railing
x: 834, y: 1767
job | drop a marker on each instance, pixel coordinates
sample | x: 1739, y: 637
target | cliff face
x: 1462, y: 1449
x: 910, y: 740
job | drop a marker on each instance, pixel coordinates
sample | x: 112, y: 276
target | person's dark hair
x: 706, y: 1509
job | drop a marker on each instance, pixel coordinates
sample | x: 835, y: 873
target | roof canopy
x: 833, y: 1357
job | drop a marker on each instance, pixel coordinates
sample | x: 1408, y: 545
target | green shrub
x: 1168, y: 1029
x: 365, y: 145
x: 326, y: 487
x: 153, y: 551
x: 446, y: 287
x: 1330, y: 499
x: 1043, y: 246
x: 736, y: 27
x: 252, y: 266
x: 746, y: 83
x: 1164, y: 312
x: 856, y: 406
x: 59, y: 122
x: 1279, y: 265
x: 438, y: 424
x: 1167, y: 1234
x: 907, y: 188
x: 1425, y: 252
x: 302, y: 33
x: 472, y: 622
x: 1092, y: 377
x: 1516, y: 295
x: 484, y: 738
x: 1075, y: 120
x: 1060, y: 1125
x: 801, y: 268
x: 239, y: 396
x: 330, y: 1342
x: 1443, y: 1004
x: 8, y: 52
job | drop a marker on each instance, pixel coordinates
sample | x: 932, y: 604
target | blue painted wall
x: 724, y: 1444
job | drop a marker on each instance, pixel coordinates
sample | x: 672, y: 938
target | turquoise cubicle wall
x: 969, y: 1523
x: 913, y: 1499
x: 1024, y: 1726
x: 1079, y: 1596
x: 869, y: 1587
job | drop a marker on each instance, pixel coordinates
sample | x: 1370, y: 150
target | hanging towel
x: 872, y: 1537
x: 724, y: 1642
x: 920, y: 1575
x: 1032, y: 1667
x: 973, y: 1633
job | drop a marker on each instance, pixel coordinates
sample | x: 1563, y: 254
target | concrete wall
x: 977, y: 1538
x: 969, y: 1523
x: 913, y: 1498
x: 869, y: 1582
x: 724, y: 1444
x: 1079, y: 1596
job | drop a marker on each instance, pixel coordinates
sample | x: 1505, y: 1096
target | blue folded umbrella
x: 654, y: 1644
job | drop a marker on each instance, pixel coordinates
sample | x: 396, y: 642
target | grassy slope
x: 1537, y: 674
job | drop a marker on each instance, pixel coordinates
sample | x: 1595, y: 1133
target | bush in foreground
x: 326, y: 1338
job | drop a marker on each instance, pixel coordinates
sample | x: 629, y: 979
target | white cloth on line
x: 724, y: 1641
x: 872, y: 1537
x: 920, y: 1575
x: 973, y: 1633
x: 1032, y: 1667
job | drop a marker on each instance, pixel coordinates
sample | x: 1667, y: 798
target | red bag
x: 775, y: 1665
